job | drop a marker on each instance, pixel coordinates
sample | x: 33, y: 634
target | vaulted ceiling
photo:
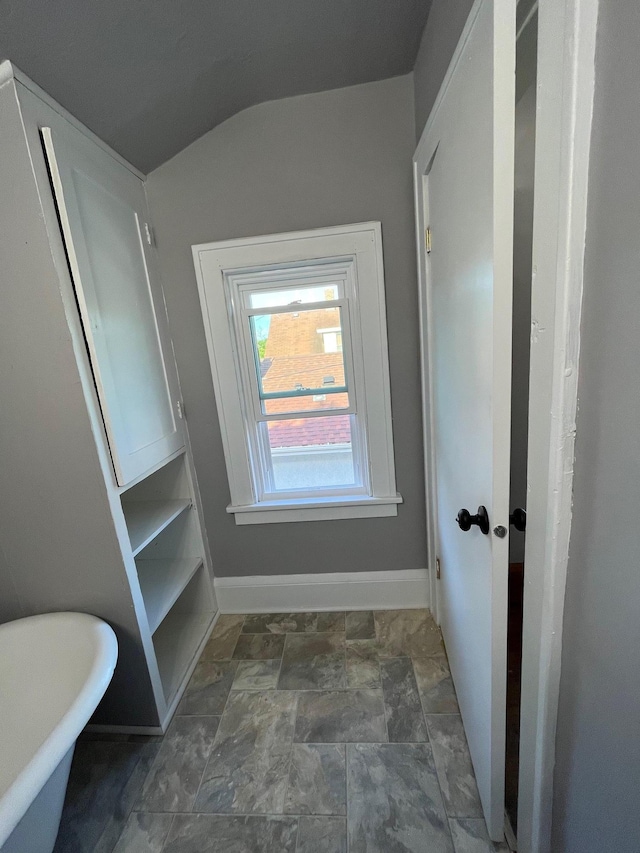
x: 151, y: 76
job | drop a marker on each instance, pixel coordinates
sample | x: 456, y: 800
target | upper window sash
x: 250, y: 366
x: 300, y: 275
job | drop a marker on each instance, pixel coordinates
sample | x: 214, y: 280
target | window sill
x: 313, y: 509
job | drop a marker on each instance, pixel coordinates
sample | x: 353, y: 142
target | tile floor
x: 298, y: 733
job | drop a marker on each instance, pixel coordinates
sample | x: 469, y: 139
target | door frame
x: 564, y: 109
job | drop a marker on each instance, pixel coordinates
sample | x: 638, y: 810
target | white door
x: 464, y: 183
x: 102, y: 208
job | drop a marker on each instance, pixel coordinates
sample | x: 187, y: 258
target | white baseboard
x: 337, y: 591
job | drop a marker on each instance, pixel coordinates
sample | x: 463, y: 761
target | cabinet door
x: 103, y: 214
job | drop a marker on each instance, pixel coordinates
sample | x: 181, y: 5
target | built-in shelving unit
x: 147, y: 519
x: 137, y: 559
x: 176, y: 643
x: 175, y: 584
x: 161, y: 582
x: 180, y: 636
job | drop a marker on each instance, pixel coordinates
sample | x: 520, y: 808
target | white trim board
x: 565, y: 89
x: 395, y: 590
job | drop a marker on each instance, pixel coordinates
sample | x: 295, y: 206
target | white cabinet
x: 103, y: 213
x: 99, y: 505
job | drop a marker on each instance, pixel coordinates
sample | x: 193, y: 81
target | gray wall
x: 443, y: 28
x: 310, y: 161
x: 597, y: 778
x: 10, y: 605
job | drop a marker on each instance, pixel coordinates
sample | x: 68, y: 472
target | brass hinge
x: 437, y: 568
x: 427, y: 240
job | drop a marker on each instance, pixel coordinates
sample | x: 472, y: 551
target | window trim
x: 353, y: 247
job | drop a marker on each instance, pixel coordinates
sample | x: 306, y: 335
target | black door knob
x: 519, y: 519
x: 466, y: 520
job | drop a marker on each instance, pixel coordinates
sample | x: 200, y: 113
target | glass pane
x: 299, y: 359
x: 324, y: 291
x: 311, y: 453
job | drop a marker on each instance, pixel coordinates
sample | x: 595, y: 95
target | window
x: 296, y: 332
x: 331, y: 339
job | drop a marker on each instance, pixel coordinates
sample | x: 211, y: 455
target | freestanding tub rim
x: 97, y: 652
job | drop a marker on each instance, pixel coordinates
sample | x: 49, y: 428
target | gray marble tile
x: 293, y: 623
x: 280, y: 623
x: 328, y: 622
x: 226, y: 834
x: 173, y: 781
x: 453, y: 762
x: 360, y: 625
x: 363, y: 666
x: 471, y: 836
x: 395, y: 805
x: 317, y: 780
x: 144, y: 833
x: 334, y: 716
x: 405, y: 721
x: 407, y: 632
x: 208, y: 688
x: 259, y: 647
x: 435, y: 685
x: 313, y: 662
x: 249, y: 764
x: 322, y: 835
x: 256, y: 675
x: 224, y: 637
x: 106, y: 778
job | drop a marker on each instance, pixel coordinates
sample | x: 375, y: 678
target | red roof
x: 310, y: 432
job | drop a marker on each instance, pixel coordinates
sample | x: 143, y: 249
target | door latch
x: 466, y: 520
x: 519, y: 519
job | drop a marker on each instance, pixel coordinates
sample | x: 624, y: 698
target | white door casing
x: 464, y: 180
x: 565, y: 90
x: 103, y: 214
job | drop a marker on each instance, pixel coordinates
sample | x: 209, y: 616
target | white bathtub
x: 54, y: 669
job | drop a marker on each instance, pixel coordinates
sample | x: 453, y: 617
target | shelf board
x: 157, y: 467
x: 161, y: 582
x: 146, y: 519
x: 176, y: 643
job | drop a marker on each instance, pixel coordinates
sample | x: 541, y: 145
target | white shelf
x: 161, y: 582
x: 146, y: 519
x: 176, y: 643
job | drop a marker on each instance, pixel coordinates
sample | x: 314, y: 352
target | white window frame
x: 225, y: 272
